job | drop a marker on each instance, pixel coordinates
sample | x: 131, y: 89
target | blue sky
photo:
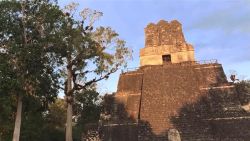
x: 218, y: 29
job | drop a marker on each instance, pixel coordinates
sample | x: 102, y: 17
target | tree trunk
x: 69, y: 123
x: 16, y: 134
x: 69, y: 100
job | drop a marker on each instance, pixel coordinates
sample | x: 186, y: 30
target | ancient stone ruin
x: 173, y: 97
x: 165, y: 43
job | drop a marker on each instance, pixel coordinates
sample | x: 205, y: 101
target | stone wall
x: 165, y: 38
x: 129, y: 93
x: 166, y: 89
x: 120, y: 132
x: 153, y: 55
x: 163, y: 33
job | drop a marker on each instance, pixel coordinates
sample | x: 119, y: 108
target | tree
x: 86, y: 109
x: 88, y: 54
x: 6, y: 117
x: 26, y: 32
x: 32, y: 118
x: 54, y: 127
x: 243, y: 90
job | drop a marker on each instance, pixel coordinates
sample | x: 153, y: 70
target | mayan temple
x: 172, y: 96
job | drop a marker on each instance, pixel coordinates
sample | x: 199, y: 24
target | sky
x: 218, y: 29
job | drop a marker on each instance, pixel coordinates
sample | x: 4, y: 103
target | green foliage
x: 8, y: 79
x: 38, y: 43
x: 6, y: 117
x: 57, y: 113
x: 243, y: 90
x: 87, y: 110
x: 25, y: 63
x: 32, y: 118
x: 54, y: 128
x: 23, y: 37
x: 91, y: 54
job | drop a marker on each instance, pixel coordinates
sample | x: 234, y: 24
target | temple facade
x: 165, y: 43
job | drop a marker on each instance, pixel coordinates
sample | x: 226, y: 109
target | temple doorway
x: 166, y: 58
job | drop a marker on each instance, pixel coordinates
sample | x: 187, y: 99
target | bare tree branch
x: 78, y: 86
